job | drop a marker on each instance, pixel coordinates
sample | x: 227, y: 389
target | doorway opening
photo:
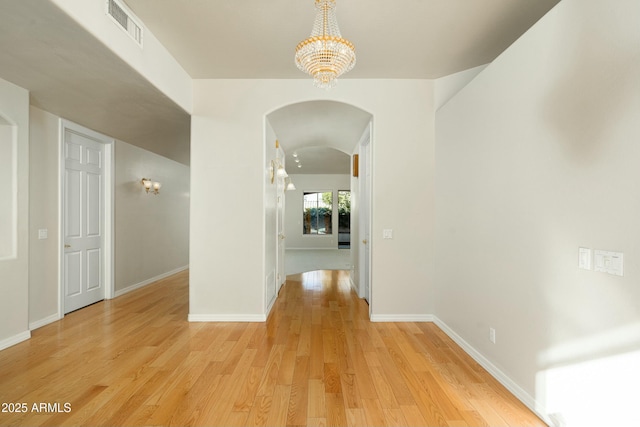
x: 320, y: 141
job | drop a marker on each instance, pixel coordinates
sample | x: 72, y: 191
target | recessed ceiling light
x: 295, y: 154
x: 299, y: 165
x: 297, y: 160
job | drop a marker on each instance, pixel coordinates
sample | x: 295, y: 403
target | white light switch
x: 387, y: 234
x: 609, y: 262
x: 584, y: 258
x: 43, y: 233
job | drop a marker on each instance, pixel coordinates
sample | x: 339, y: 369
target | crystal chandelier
x: 325, y: 55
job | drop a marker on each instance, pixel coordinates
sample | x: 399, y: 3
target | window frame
x: 310, y: 228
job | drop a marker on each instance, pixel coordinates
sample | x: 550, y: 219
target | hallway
x: 303, y: 260
x: 317, y: 360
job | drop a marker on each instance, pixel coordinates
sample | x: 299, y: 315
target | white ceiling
x: 318, y: 160
x: 69, y: 73
x: 393, y: 39
x: 322, y: 133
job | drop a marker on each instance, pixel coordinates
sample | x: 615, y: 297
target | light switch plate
x: 609, y: 262
x: 43, y: 233
x: 387, y: 234
x: 584, y: 258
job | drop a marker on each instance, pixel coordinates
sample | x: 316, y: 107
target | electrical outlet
x: 609, y: 262
x: 492, y: 335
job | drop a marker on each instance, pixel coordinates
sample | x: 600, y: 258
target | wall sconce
x: 281, y: 172
x: 355, y: 165
x: 290, y: 186
x: 149, y: 185
x: 277, y: 169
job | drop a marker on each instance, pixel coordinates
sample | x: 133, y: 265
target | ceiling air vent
x: 125, y: 19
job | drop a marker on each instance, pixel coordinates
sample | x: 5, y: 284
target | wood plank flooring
x: 317, y: 361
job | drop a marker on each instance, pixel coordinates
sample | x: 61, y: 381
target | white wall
x: 14, y: 270
x: 227, y: 137
x: 43, y: 214
x: 8, y: 188
x: 447, y: 87
x: 151, y: 231
x: 536, y: 157
x: 293, y: 215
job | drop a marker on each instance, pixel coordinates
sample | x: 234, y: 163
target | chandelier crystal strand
x: 325, y: 55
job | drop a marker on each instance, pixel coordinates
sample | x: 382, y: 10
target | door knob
x: 67, y: 246
x: 364, y: 241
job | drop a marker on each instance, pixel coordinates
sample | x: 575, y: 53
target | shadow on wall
x: 592, y: 380
x: 581, y: 117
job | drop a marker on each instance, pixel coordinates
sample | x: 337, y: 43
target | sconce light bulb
x: 147, y: 184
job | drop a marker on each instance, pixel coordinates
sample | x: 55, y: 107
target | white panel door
x: 83, y: 228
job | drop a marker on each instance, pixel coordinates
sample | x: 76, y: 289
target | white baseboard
x: 16, y: 339
x: 44, y: 322
x: 500, y: 376
x: 353, y: 286
x: 314, y: 249
x: 270, y: 305
x: 254, y: 318
x: 402, y: 318
x: 496, y: 373
x: 144, y: 283
x: 269, y: 308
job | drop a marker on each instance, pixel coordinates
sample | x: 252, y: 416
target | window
x: 317, y: 212
x: 344, y: 219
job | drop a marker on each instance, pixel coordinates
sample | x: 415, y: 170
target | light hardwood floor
x: 317, y: 361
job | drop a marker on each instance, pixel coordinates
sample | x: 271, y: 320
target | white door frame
x: 281, y: 188
x: 109, y: 228
x: 367, y: 175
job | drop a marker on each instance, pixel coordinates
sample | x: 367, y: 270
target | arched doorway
x: 318, y: 143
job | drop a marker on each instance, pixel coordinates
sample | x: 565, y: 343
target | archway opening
x: 318, y: 144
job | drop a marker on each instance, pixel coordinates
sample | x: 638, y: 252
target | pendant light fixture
x: 325, y: 55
